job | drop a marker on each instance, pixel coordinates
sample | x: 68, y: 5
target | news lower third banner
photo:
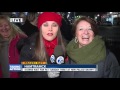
x: 51, y: 67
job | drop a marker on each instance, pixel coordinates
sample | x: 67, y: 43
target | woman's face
x: 5, y: 29
x: 84, y: 33
x: 49, y: 30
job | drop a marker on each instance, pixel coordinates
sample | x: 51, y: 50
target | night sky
x: 89, y: 13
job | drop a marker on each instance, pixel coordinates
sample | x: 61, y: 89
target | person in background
x: 24, y: 17
x: 87, y: 47
x: 10, y: 34
x: 41, y: 45
x: 30, y: 26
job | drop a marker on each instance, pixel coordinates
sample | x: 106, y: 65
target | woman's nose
x: 50, y: 28
x: 86, y: 31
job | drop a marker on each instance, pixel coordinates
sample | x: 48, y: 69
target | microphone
x: 58, y: 56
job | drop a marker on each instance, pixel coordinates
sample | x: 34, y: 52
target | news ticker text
x: 52, y: 67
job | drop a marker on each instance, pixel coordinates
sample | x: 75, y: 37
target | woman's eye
x: 80, y: 29
x: 45, y: 25
x: 54, y: 25
x: 90, y: 29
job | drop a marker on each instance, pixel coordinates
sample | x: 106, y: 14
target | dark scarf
x: 50, y: 45
x: 89, y: 54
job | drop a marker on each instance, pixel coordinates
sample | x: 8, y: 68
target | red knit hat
x: 49, y: 16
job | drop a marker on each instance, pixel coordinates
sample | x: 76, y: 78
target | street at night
x: 111, y: 35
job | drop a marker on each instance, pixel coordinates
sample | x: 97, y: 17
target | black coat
x: 28, y: 28
x: 27, y: 53
x: 108, y: 68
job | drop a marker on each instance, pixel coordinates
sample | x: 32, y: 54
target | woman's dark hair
x: 89, y: 20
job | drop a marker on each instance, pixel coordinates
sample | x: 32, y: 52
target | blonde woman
x: 10, y: 34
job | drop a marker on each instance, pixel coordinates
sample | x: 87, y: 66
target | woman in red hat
x: 40, y: 46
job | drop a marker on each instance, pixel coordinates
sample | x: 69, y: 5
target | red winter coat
x: 13, y: 55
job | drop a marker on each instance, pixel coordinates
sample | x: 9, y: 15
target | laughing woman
x: 10, y: 34
x: 88, y: 48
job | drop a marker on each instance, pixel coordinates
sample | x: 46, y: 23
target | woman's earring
x: 76, y: 40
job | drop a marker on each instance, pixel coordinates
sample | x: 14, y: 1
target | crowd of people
x: 37, y: 36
